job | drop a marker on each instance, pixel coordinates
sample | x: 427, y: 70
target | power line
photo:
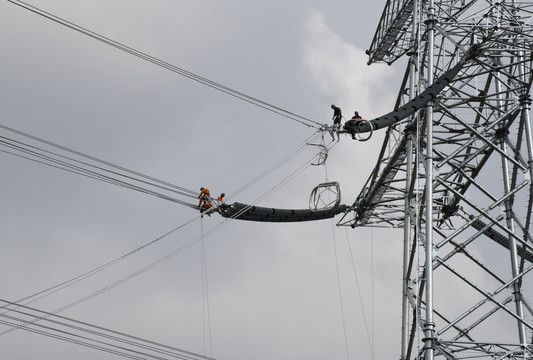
x: 81, y: 277
x: 217, y: 86
x: 101, y: 170
x: 89, y: 335
x: 77, y: 279
x: 183, y: 190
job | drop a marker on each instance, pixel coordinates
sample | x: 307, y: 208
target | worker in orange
x: 204, y: 196
x: 221, y: 197
x: 206, y: 206
x: 353, y: 123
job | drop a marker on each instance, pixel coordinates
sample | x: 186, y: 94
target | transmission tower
x: 456, y: 177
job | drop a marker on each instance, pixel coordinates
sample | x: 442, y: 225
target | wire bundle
x: 82, y: 333
x: 51, y: 154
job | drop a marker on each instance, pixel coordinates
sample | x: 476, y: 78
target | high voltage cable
x: 257, y: 178
x: 149, y: 266
x: 123, y: 178
x: 50, y: 161
x: 91, y: 335
x: 29, y: 325
x: 180, y: 189
x: 70, y: 164
x: 298, y: 149
x: 217, y: 86
x: 44, y: 293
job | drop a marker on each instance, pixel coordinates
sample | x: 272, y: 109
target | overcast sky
x: 273, y: 289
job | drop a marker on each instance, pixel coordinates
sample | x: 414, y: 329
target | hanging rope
x: 340, y: 290
x: 352, y: 257
x: 206, y: 309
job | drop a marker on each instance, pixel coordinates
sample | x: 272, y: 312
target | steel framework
x: 456, y: 176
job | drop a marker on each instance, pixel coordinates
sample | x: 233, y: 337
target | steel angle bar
x: 457, y: 328
x: 516, y: 152
x: 387, y: 200
x: 391, y: 40
x: 502, y: 240
x: 388, y: 217
x: 461, y: 248
x: 481, y: 347
x: 449, y: 135
x: 526, y: 304
x: 490, y: 143
x: 458, y: 231
x: 446, y: 35
x: 519, y: 352
x: 495, y: 204
x: 465, y: 151
x: 488, y: 297
x: 459, y: 170
x: 482, y: 318
x: 522, y: 227
x: 471, y: 155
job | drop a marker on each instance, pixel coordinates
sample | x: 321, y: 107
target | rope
x: 352, y: 257
x: 340, y: 290
x: 338, y: 272
x: 206, y: 310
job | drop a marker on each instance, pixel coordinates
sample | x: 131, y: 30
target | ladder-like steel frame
x: 457, y: 178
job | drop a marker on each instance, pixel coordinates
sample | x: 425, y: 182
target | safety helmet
x: 222, y: 194
x: 356, y: 113
x: 333, y: 106
x: 201, y: 189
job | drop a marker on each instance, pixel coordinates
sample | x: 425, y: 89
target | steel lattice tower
x: 456, y: 177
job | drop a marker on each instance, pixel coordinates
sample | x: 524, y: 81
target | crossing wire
x: 86, y: 334
x: 179, y: 189
x: 31, y: 324
x: 124, y: 178
x: 54, y: 289
x: 217, y: 86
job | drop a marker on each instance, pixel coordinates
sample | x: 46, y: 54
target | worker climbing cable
x: 204, y: 196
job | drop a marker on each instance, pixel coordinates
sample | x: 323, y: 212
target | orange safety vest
x: 204, y: 192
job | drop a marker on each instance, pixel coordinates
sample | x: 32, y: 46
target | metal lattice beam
x: 478, y: 248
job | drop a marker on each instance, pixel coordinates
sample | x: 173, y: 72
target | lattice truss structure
x: 481, y: 167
